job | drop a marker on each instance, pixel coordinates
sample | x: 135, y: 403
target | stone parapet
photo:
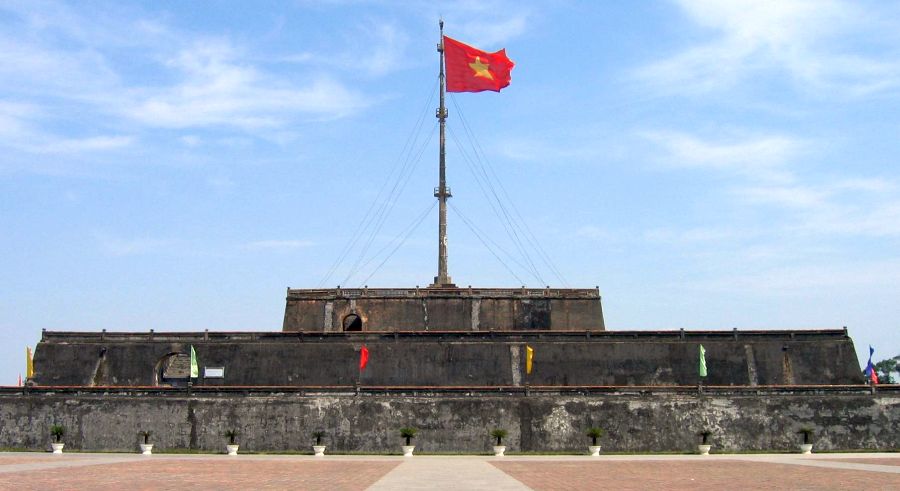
x: 283, y: 419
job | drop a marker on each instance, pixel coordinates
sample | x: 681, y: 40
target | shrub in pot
x: 318, y: 448
x: 57, y: 431
x: 146, y: 447
x: 704, y: 445
x: 232, y: 446
x: 499, y: 434
x: 594, y: 433
x: 806, y: 446
x: 407, y: 434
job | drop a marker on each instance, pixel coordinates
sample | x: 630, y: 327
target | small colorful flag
x: 870, y: 367
x: 529, y: 356
x: 702, y: 361
x: 20, y: 380
x: 195, y: 370
x: 29, y: 363
x: 363, y: 358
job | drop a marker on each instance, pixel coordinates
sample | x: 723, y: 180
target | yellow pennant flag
x: 29, y: 363
x: 529, y: 356
x: 195, y: 370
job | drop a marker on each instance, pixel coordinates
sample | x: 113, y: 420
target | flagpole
x: 442, y: 192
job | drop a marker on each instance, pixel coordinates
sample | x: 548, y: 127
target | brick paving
x: 690, y: 475
x: 335, y: 472
x: 219, y: 472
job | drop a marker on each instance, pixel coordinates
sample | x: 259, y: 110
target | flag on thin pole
x: 363, y: 358
x: 870, y: 368
x: 29, y: 363
x: 702, y: 361
x: 195, y: 371
x: 472, y: 70
x: 529, y: 357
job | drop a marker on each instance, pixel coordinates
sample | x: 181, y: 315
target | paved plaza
x: 871, y: 471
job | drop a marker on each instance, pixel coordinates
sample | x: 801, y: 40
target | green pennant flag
x: 195, y: 372
x: 702, y: 361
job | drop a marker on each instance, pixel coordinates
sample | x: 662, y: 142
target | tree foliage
x: 887, y: 371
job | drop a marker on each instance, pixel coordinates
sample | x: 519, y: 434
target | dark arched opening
x: 353, y: 323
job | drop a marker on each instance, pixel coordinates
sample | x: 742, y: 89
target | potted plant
x: 57, y: 431
x: 408, y: 433
x: 499, y: 448
x: 806, y: 446
x: 232, y: 446
x: 595, y: 434
x: 704, y: 445
x: 318, y: 448
x: 146, y: 447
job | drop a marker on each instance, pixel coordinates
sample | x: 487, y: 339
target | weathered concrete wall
x: 454, y: 359
x: 444, y: 309
x: 283, y: 421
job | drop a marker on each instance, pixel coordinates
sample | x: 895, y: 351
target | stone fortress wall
x: 442, y: 309
x: 538, y: 420
x: 447, y: 359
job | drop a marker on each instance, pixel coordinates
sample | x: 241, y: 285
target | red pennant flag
x: 363, y: 358
x: 472, y: 70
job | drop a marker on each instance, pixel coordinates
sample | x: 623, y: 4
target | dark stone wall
x: 454, y: 359
x: 455, y: 309
x: 767, y: 420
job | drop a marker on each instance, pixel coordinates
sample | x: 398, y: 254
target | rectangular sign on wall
x: 213, y: 372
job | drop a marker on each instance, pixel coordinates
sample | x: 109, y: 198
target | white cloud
x: 761, y: 157
x: 763, y: 171
x: 218, y: 89
x: 20, y: 131
x: 804, y: 39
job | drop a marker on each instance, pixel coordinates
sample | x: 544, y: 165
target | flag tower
x: 442, y: 192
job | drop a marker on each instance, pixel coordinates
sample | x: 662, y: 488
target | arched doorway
x: 352, y: 322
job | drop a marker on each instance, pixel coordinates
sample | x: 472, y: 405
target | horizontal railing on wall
x: 476, y: 390
x: 371, y: 336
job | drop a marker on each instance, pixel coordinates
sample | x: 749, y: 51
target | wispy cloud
x: 760, y: 157
x: 763, y: 172
x: 805, y: 40
x: 218, y: 89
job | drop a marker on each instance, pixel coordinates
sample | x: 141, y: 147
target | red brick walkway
x: 218, y: 472
x: 199, y: 472
x: 687, y: 475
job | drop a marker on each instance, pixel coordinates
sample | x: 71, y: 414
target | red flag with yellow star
x: 472, y: 70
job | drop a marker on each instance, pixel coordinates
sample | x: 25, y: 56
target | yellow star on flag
x: 481, y: 68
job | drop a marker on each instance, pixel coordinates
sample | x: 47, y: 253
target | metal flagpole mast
x: 442, y: 192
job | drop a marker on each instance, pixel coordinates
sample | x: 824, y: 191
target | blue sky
x: 707, y: 164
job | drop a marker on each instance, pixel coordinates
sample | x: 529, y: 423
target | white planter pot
x: 806, y: 448
x: 595, y: 450
x: 57, y: 447
x: 146, y: 448
x: 703, y: 449
x: 232, y: 449
x: 408, y: 450
x: 498, y: 450
x: 319, y: 450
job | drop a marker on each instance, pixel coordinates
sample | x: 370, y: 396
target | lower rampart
x: 366, y: 420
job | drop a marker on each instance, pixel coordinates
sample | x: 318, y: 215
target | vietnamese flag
x: 363, y: 358
x: 472, y: 70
